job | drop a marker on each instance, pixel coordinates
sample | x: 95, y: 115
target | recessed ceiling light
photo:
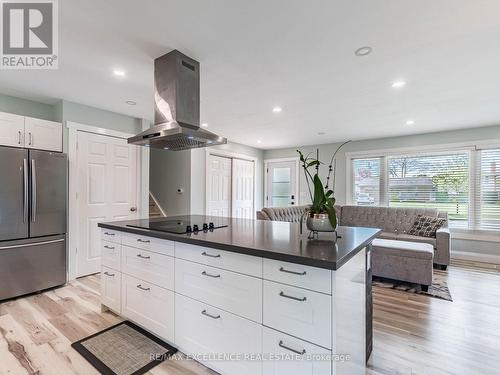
x: 410, y: 122
x: 119, y: 73
x: 363, y: 51
x: 321, y: 133
x: 398, y: 84
x: 259, y: 141
x: 277, y: 109
x: 205, y: 125
x: 131, y: 102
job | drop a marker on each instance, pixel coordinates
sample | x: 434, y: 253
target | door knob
x: 133, y: 209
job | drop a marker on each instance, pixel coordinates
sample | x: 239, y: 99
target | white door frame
x: 231, y: 155
x: 73, y: 129
x: 297, y: 171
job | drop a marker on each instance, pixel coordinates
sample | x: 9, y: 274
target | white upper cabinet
x: 43, y: 134
x: 11, y: 130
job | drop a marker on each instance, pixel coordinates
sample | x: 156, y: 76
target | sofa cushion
x: 411, y: 238
x: 406, y: 249
x: 426, y: 226
x: 389, y: 219
x: 388, y: 236
x: 291, y: 214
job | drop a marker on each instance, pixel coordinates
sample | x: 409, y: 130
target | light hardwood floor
x: 414, y: 334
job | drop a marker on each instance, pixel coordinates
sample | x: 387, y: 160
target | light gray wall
x: 429, y: 139
x: 168, y: 171
x: 187, y: 169
x: 23, y: 107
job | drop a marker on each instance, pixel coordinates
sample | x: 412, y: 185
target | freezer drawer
x: 27, y: 266
x: 48, y: 193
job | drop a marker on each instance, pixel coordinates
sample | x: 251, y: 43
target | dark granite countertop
x: 269, y: 239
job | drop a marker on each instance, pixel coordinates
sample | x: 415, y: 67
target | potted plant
x: 322, y: 216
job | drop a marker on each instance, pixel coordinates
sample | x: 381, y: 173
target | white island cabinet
x: 238, y: 314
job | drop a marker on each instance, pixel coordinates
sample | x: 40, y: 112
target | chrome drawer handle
x: 143, y: 241
x: 143, y: 257
x: 109, y: 274
x: 293, y: 272
x: 303, y: 299
x: 210, y: 255
x: 204, y: 312
x: 109, y: 234
x: 109, y: 247
x: 204, y: 273
x: 145, y: 289
x: 291, y: 349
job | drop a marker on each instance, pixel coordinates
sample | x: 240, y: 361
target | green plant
x: 322, y: 196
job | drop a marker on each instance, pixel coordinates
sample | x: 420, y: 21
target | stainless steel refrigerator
x: 32, y: 220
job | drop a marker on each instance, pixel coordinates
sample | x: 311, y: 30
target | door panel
x: 48, y: 193
x: 11, y: 130
x: 43, y: 135
x: 281, y: 189
x: 243, y: 189
x: 107, y: 180
x: 13, y: 201
x: 219, y: 188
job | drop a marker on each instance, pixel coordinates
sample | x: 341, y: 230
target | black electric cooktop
x: 182, y: 224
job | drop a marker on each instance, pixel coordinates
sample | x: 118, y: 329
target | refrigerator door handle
x: 33, y: 190
x: 31, y: 244
x: 25, y: 192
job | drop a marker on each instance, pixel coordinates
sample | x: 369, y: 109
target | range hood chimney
x: 177, y: 107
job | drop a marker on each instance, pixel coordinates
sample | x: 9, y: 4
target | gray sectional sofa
x: 396, y: 254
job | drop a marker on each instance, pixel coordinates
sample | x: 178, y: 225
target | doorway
x: 281, y: 182
x: 230, y: 186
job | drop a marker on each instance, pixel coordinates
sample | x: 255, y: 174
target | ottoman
x: 403, y: 260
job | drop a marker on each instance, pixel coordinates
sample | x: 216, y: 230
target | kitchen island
x: 246, y: 296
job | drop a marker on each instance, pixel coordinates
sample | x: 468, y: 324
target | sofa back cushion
x: 291, y: 214
x: 389, y: 219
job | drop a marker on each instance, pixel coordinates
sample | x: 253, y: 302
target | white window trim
x: 470, y: 233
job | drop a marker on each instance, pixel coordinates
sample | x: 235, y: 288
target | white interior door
x: 281, y: 189
x: 219, y: 186
x: 106, y: 191
x: 243, y: 189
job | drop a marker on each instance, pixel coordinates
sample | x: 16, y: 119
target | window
x: 488, y: 197
x: 367, y: 181
x: 432, y: 181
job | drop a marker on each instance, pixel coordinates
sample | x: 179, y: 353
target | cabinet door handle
x: 109, y: 234
x: 204, y: 273
x: 210, y: 255
x: 109, y: 247
x: 142, y: 288
x: 303, y: 299
x: 19, y: 139
x: 143, y: 241
x: 293, y: 272
x: 109, y: 274
x: 204, y: 312
x: 30, y: 137
x: 300, y: 352
x: 143, y: 257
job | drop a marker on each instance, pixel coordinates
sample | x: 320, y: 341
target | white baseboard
x: 479, y: 257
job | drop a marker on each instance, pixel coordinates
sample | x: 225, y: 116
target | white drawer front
x: 148, y: 266
x: 148, y: 243
x: 286, y: 348
x: 233, y: 292
x: 307, y: 277
x: 111, y: 288
x: 227, y: 260
x: 111, y: 235
x: 110, y: 255
x: 148, y: 305
x: 298, y: 312
x: 203, y: 330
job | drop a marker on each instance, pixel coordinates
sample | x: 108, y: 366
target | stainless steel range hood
x: 177, y: 107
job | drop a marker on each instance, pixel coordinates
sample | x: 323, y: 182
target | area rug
x: 124, y: 349
x: 438, y: 289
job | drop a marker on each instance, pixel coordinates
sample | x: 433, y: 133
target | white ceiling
x: 296, y: 54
